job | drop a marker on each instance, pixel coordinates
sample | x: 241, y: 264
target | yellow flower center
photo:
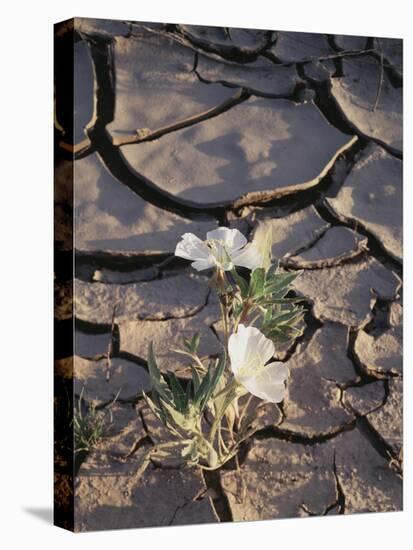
x: 252, y: 367
x: 219, y: 251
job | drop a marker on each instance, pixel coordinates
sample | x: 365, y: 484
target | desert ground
x: 181, y: 129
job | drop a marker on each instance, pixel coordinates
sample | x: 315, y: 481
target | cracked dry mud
x: 180, y: 128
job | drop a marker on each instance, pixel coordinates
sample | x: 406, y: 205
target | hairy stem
x: 244, y: 410
x: 223, y: 300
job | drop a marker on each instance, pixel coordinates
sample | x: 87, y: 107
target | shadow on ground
x: 44, y: 514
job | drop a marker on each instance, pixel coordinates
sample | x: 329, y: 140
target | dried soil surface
x: 180, y: 129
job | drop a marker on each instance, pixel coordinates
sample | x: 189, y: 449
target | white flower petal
x: 206, y: 263
x: 236, y: 348
x: 192, y: 248
x: 259, y: 345
x: 249, y: 349
x: 249, y: 257
x: 263, y: 239
x: 232, y: 239
x: 269, y: 382
x: 263, y: 387
x: 278, y: 371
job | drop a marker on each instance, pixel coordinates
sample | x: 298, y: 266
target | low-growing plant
x: 90, y: 423
x: 204, y: 415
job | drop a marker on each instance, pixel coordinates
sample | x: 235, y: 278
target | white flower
x: 249, y: 351
x: 223, y: 248
x: 263, y: 241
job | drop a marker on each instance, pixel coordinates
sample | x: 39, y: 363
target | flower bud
x: 212, y: 458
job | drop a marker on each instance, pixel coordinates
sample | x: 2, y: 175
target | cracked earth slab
x: 84, y: 94
x: 261, y: 77
x: 242, y: 155
x: 177, y: 296
x: 355, y: 93
x: 155, y: 85
x: 91, y: 346
x: 226, y: 41
x: 290, y: 233
x: 109, y: 494
x: 350, y: 42
x: 396, y: 314
x: 293, y: 47
x: 263, y: 414
x: 285, y: 478
x: 388, y: 420
x: 347, y: 293
x: 382, y: 354
x: 112, y: 219
x: 108, y: 457
x: 367, y: 481
x: 319, y: 71
x: 372, y: 196
x: 278, y: 478
x: 313, y: 402
x: 108, y: 28
x: 102, y: 382
x: 159, y: 498
x: 136, y: 336
x: 107, y: 275
x: 365, y: 399
x: 392, y: 49
x: 336, y: 245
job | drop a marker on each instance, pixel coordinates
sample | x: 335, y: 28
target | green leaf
x: 203, y: 388
x: 279, y: 282
x: 283, y: 333
x: 237, y: 308
x: 257, y: 282
x: 188, y: 393
x: 287, y: 317
x: 268, y: 314
x: 278, y: 337
x: 195, y: 379
x: 157, y: 380
x: 268, y: 301
x: 214, y: 380
x: 241, y: 282
x: 224, y: 404
x: 177, y: 391
x: 177, y: 417
x: 156, y: 400
x: 272, y: 270
x: 157, y: 411
x: 195, y: 342
x: 187, y: 343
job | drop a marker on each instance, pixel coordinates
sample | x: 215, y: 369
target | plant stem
x: 221, y: 283
x: 230, y: 455
x: 232, y: 385
x: 224, y: 311
x: 244, y: 410
x: 245, y: 311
